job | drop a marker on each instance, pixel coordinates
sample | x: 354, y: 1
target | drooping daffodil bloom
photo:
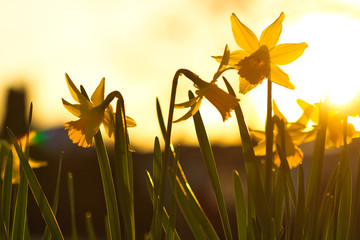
x: 335, y: 124
x: 295, y: 133
x: 91, y: 113
x: 259, y: 58
x: 16, y: 161
x: 223, y: 101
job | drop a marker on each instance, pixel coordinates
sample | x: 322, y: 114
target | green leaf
x: 108, y: 184
x: 165, y: 219
x: 20, y: 211
x: 210, y: 164
x: 47, y: 234
x: 39, y: 195
x: 191, y: 208
x: 240, y: 207
x: 71, y: 193
x: 354, y: 222
x: 313, y: 188
x: 124, y: 171
x: 300, y: 207
x: 253, y: 173
x: 7, y: 192
x: 345, y: 197
x: 90, y: 226
x: 170, y: 230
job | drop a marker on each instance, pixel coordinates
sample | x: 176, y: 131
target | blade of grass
x: 355, y: 204
x: 300, y: 207
x: 90, y: 226
x: 345, y: 197
x: 7, y: 191
x: 123, y: 170
x: 165, y: 219
x: 19, y: 221
x: 35, y: 187
x: 210, y: 164
x: 252, y: 170
x: 327, y: 206
x: 313, y: 190
x: 240, y: 207
x: 47, y: 234
x: 171, y: 226
x: 71, y: 192
x: 194, y: 205
x: 108, y: 183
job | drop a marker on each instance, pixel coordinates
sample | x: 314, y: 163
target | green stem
x: 269, y: 142
x: 165, y: 159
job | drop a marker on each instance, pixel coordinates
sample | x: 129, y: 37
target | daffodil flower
x: 295, y: 134
x: 16, y: 161
x: 334, y: 130
x: 223, y: 101
x: 259, y: 58
x: 91, y: 113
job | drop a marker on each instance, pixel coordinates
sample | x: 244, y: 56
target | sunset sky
x: 138, y: 46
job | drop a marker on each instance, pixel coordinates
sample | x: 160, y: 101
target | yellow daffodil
x: 295, y: 134
x: 16, y: 161
x: 334, y: 131
x: 223, y: 101
x: 259, y: 58
x: 91, y: 113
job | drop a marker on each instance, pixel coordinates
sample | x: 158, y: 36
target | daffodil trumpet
x: 223, y: 101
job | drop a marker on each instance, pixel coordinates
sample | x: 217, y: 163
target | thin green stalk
x: 124, y: 171
x: 170, y: 231
x: 47, y: 234
x: 158, y: 220
x: 313, y: 188
x: 90, y: 226
x: 151, y: 189
x: 71, y: 192
x: 269, y: 135
x: 108, y: 184
x: 240, y: 207
x: 7, y: 191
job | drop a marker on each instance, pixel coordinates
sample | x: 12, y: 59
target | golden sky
x: 138, y: 45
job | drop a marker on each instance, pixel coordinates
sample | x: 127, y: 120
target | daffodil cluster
x: 91, y: 113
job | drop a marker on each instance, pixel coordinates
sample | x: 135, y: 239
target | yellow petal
x: 244, y: 37
x: 235, y: 57
x: 130, y: 122
x: 278, y: 113
x: 278, y: 76
x: 194, y: 108
x: 314, y: 117
x: 187, y: 104
x: 83, y: 130
x: 98, y: 96
x: 283, y: 54
x: 109, y: 122
x: 74, y: 109
x: 75, y: 93
x: 270, y: 36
